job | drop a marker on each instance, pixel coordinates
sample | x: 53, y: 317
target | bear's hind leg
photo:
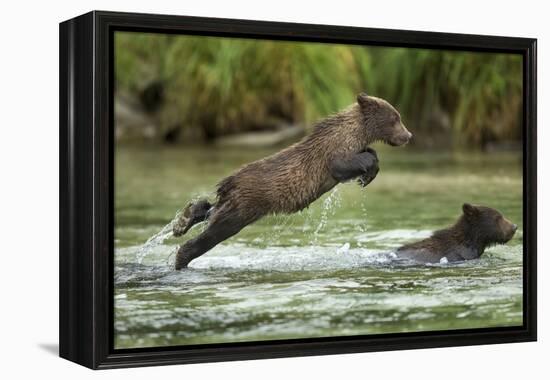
x: 222, y: 226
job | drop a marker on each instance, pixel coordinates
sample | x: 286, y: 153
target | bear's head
x: 489, y: 225
x: 383, y: 120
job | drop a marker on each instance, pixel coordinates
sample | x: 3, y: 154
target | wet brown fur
x: 476, y: 229
x: 291, y: 179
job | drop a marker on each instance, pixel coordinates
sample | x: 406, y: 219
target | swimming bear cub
x: 336, y: 151
x: 477, y: 228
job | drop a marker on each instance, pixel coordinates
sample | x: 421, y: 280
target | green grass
x: 223, y: 85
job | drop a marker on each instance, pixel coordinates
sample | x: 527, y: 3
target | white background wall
x: 29, y: 187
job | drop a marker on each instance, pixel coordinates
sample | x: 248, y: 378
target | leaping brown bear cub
x: 477, y: 228
x: 336, y: 151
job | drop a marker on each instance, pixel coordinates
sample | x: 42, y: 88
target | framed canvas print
x: 235, y: 189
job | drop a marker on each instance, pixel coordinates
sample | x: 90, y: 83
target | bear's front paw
x: 370, y: 173
x: 365, y: 179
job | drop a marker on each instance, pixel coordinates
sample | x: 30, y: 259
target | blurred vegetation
x: 206, y: 87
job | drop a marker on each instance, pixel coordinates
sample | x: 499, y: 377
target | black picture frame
x: 86, y: 189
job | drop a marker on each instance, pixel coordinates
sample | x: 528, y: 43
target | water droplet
x: 329, y: 208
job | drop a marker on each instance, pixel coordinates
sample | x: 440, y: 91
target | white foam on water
x: 294, y: 258
x: 237, y: 255
x: 343, y: 249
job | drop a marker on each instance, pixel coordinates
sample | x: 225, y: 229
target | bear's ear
x: 469, y: 209
x: 363, y: 99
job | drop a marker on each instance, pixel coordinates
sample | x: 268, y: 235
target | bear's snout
x: 401, y: 135
x: 509, y: 230
x: 406, y: 134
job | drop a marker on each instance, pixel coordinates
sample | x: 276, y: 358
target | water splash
x: 157, y: 239
x: 343, y: 249
x: 362, y: 227
x: 330, y: 204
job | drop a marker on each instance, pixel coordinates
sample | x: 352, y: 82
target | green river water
x: 327, y: 271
